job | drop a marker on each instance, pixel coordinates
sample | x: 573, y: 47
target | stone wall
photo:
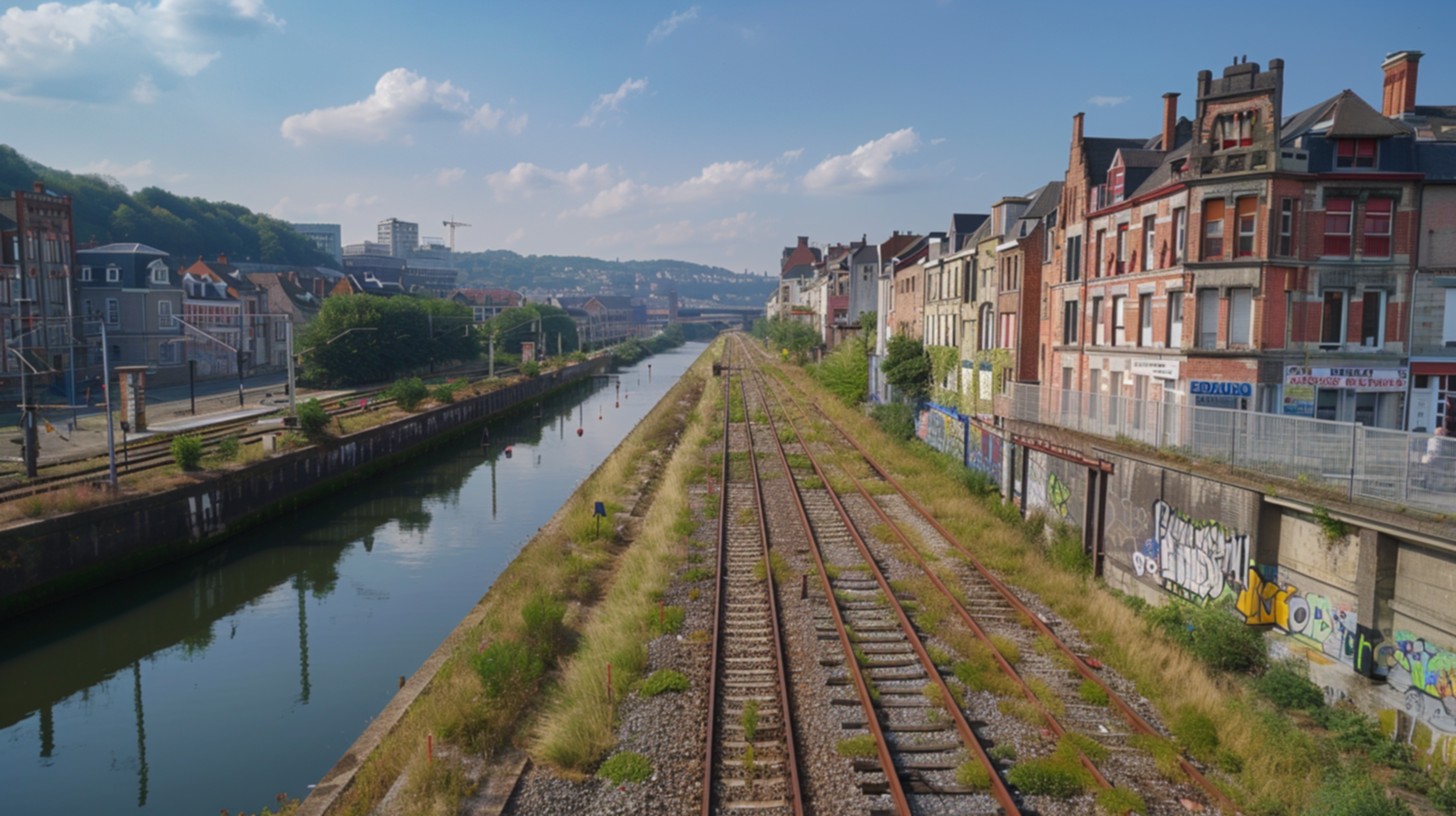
x: 49, y: 559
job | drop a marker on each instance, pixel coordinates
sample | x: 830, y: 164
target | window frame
x: 1071, y: 316
x: 1213, y: 229
x: 1180, y: 234
x: 113, y: 312
x: 1288, y: 215
x: 1246, y: 224
x: 1334, y: 238
x: 1334, y: 301
x: 1145, y: 320
x: 1174, y: 323
x: 1149, y: 243
x: 1119, y: 320
x: 1236, y: 296
x: 1206, y: 325
x: 1122, y: 234
x: 1099, y: 324
x: 1371, y: 235
x: 113, y: 273
x: 1356, y: 154
x: 1381, y: 302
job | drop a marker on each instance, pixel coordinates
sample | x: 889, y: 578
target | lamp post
x: 110, y: 435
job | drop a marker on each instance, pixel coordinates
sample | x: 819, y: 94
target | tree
x: 907, y: 367
x: 846, y: 372
x: 365, y: 338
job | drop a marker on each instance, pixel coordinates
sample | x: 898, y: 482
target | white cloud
x: 99, y: 51
x: 714, y: 182
x: 733, y: 229
x: 611, y: 102
x: 449, y: 176
x: 106, y: 167
x: 664, y: 29
x: 400, y: 98
x: 527, y: 178
x: 866, y: 168
x: 791, y: 155
x: 515, y: 237
x: 1107, y: 101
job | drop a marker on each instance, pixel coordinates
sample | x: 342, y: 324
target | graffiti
x: 1425, y: 675
x: 1044, y: 488
x: 1058, y: 494
x: 944, y: 431
x: 203, y: 516
x: 1199, y: 559
x: 985, y: 452
x: 1308, y: 617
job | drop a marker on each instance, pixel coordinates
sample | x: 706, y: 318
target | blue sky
x: 708, y: 132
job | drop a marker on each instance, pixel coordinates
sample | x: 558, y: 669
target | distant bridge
x: 722, y: 315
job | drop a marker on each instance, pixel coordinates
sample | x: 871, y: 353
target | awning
x: 1437, y: 369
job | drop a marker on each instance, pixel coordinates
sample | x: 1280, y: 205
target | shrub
x: 860, y: 747
x: 1066, y: 553
x: 1196, y: 732
x: 187, y: 451
x: 664, y: 680
x: 1119, y: 801
x: 507, y: 669
x: 408, y: 393
x: 1351, y: 729
x: 444, y: 394
x: 1092, y: 694
x: 228, y: 447
x: 697, y: 574
x: 1287, y: 686
x: 627, y: 766
x: 973, y: 775
x: 313, y: 418
x: 666, y: 620
x: 895, y: 419
x: 1213, y: 635
x: 749, y: 720
x: 1046, y: 776
x: 543, y: 616
x: 1350, y: 793
x: 531, y: 368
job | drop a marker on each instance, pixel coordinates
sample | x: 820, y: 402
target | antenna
x: 452, y: 224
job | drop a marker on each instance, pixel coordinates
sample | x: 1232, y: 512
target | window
x: 1099, y: 331
x: 1241, y: 317
x: 1119, y: 319
x: 1339, y: 216
x: 159, y: 273
x: 1094, y: 395
x: 1121, y: 248
x: 85, y: 274
x: 1448, y: 326
x: 1213, y: 229
x: 1355, y: 153
x: 167, y: 353
x: 1118, y: 177
x: 1114, y: 399
x: 280, y: 331
x: 113, y: 274
x: 1234, y: 130
x: 88, y: 312
x: 113, y: 312
x: 1372, y: 318
x: 1071, y: 314
x: 987, y: 334
x: 1207, y: 318
x: 1149, y: 262
x: 1097, y: 259
x: 1180, y: 233
x: 1332, y: 318
x: 1286, y: 226
x: 1175, y: 320
x: 1248, y: 223
x: 1145, y: 320
x: 1377, y: 227
x: 164, y: 315
x: 1073, y: 259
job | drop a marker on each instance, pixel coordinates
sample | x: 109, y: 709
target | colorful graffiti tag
x: 1045, y: 490
x: 1198, y: 559
x: 1426, y: 675
x: 985, y: 450
x: 943, y: 431
x: 1309, y: 617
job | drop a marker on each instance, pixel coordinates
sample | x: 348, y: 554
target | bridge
x: 725, y: 316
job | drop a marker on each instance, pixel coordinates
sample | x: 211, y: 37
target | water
x: 248, y: 671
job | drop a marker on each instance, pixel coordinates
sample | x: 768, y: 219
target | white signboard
x: 1157, y: 369
x: 1351, y: 378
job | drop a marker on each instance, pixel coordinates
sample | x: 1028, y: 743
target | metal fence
x: 1397, y: 467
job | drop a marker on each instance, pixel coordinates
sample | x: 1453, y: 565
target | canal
x: 248, y: 670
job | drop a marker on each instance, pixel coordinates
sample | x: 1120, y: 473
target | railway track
x: 751, y: 762
x: 1049, y: 682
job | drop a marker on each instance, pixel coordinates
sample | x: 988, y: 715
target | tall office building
x: 328, y: 238
x: 402, y: 237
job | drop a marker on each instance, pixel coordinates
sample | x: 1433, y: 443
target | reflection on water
x: 248, y: 670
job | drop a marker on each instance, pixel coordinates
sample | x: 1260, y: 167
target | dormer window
x: 159, y: 272
x: 1116, y: 181
x: 1233, y: 130
x: 1355, y: 153
x: 113, y: 274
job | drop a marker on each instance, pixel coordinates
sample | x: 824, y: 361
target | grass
x: 973, y: 775
x: 628, y: 766
x: 663, y: 681
x: 749, y: 721
x: 860, y: 747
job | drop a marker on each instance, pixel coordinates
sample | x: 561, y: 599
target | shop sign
x: 1157, y: 369
x: 1215, y: 388
x: 1347, y: 378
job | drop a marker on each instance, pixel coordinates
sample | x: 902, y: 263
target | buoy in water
x: 578, y: 431
x: 509, y: 451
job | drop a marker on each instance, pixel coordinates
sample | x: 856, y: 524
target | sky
x: 707, y: 132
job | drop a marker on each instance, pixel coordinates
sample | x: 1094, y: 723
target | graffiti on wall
x: 1309, y: 617
x: 1045, y: 490
x: 1425, y: 675
x: 985, y: 450
x: 944, y: 431
x: 1199, y: 559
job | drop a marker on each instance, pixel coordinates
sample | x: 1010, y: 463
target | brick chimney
x: 1400, y: 82
x: 38, y: 187
x: 1170, y: 120
x: 1077, y: 128
x: 222, y: 258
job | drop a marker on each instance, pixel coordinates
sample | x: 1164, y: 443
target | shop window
x: 1339, y: 218
x: 1378, y: 213
x: 1213, y: 229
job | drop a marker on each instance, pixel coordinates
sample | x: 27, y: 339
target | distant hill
x: 566, y: 273
x: 104, y: 211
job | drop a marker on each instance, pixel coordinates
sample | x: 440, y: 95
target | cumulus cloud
x: 1107, y: 101
x: 449, y: 176
x: 733, y: 229
x: 106, y: 167
x: 716, y: 181
x: 866, y: 168
x: 611, y: 102
x: 401, y: 98
x: 99, y: 51
x: 664, y: 29
x: 526, y: 179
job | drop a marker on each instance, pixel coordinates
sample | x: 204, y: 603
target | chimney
x: 1400, y: 82
x: 1170, y: 120
x: 222, y: 258
x: 1077, y: 128
x: 803, y: 242
x: 38, y: 187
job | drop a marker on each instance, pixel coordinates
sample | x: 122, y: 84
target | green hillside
x: 104, y: 211
x: 564, y: 273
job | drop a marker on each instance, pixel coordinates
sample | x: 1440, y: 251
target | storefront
x: 1369, y: 396
x: 1433, y: 396
x: 1220, y: 394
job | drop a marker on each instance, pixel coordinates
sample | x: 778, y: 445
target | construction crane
x: 452, y: 224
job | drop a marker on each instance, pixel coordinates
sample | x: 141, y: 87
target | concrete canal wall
x: 46, y: 560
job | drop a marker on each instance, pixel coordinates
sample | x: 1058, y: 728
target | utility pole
x: 27, y: 395
x: 110, y: 434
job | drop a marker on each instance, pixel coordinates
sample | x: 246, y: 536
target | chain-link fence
x: 1414, y: 469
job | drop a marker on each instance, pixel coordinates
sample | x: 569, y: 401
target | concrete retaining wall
x: 46, y: 560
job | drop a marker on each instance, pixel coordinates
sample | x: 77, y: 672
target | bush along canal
x: 223, y: 680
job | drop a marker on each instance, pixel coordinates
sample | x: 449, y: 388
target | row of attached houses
x: 1240, y: 257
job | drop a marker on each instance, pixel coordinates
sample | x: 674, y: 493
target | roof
x: 1348, y: 117
x: 132, y: 248
x: 1132, y: 157
x: 964, y: 226
x: 1437, y: 122
x: 1161, y: 175
x: 1044, y: 200
x: 1437, y: 160
x: 1099, y: 151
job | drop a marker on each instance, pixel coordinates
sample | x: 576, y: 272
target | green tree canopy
x: 537, y: 322
x: 907, y: 367
x: 365, y: 338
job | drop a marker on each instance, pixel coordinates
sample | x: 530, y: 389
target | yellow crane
x: 452, y: 224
